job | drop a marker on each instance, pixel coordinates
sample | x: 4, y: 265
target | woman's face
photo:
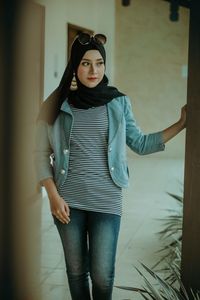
x: 91, y: 68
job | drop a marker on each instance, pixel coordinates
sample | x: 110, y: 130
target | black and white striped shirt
x: 89, y: 185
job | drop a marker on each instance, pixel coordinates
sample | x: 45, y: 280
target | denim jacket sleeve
x: 138, y: 141
x: 42, y: 152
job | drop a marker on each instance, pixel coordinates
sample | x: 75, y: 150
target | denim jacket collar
x: 115, y: 114
x: 66, y: 107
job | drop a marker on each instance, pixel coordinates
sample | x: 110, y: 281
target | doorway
x: 73, y: 31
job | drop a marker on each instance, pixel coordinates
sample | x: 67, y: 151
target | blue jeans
x: 90, y: 242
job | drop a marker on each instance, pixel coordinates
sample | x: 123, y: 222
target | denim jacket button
x: 112, y: 169
x: 110, y: 149
x: 62, y: 172
x: 65, y: 151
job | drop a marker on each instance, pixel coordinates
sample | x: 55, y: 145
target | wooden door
x: 73, y: 31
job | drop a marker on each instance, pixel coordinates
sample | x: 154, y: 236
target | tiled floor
x: 144, y: 202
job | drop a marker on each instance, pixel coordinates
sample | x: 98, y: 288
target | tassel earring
x: 73, y: 86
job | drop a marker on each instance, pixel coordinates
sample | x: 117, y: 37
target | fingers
x: 65, y: 215
x: 183, y: 116
x: 67, y: 209
x: 185, y: 111
x: 60, y: 209
x: 62, y: 213
x: 184, y: 108
x: 62, y: 216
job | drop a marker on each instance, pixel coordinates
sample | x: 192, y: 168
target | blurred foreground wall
x: 20, y: 199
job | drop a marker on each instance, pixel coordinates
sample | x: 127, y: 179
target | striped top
x: 89, y: 185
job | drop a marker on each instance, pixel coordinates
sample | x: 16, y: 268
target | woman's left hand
x: 182, y: 120
x: 174, y: 129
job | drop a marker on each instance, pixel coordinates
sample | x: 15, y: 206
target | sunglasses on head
x: 85, y: 38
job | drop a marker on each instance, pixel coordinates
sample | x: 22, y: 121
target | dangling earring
x: 73, y: 86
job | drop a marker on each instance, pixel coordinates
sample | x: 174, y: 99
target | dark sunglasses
x: 85, y: 38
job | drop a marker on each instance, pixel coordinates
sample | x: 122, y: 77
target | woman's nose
x: 93, y: 69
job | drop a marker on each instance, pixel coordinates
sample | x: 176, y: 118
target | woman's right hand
x: 60, y: 209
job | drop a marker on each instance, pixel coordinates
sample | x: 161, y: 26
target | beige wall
x: 151, y: 54
x: 146, y: 55
x: 92, y: 14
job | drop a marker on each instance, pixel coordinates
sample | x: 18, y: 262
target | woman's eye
x: 85, y: 63
x: 100, y: 63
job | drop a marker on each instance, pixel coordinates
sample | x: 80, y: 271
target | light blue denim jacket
x: 53, y: 141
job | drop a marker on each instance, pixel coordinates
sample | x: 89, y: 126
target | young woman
x: 81, y: 161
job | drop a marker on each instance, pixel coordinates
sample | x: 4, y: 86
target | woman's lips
x: 92, y: 78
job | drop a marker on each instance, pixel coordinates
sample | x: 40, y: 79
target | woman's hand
x: 182, y: 120
x: 174, y: 129
x: 59, y: 209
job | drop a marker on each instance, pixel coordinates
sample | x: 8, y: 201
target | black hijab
x: 83, y: 97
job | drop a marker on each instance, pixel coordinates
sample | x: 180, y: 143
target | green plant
x: 161, y: 289
x: 170, y: 287
x: 171, y: 237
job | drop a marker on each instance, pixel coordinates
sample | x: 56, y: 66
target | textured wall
x: 151, y: 55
